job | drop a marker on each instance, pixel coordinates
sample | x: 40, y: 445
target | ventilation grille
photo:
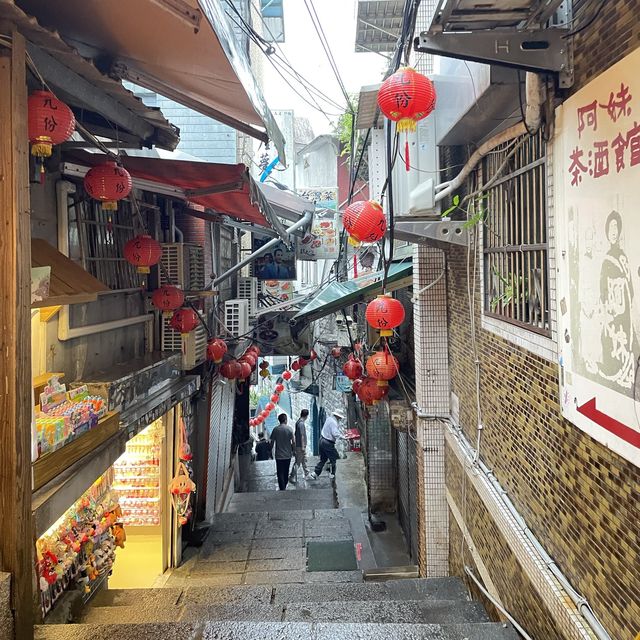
x: 183, y: 266
x: 236, y: 317
x: 193, y: 346
x: 248, y: 290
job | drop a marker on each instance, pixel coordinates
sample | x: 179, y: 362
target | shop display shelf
x: 52, y: 464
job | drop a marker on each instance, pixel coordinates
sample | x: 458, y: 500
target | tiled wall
x: 581, y: 501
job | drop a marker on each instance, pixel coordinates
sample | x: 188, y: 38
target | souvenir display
x: 137, y: 478
x: 64, y: 415
x: 78, y: 551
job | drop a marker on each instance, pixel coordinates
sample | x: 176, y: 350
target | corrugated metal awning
x: 378, y: 26
x: 185, y: 50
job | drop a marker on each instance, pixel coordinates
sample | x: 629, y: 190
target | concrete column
x: 433, y: 398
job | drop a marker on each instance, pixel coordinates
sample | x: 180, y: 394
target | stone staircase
x: 250, y: 579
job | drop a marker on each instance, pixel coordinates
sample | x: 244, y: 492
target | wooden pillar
x: 16, y: 543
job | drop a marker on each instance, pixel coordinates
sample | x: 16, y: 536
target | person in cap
x: 329, y: 435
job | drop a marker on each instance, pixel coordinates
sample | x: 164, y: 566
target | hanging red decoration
x: 336, y: 352
x: 142, y: 252
x: 352, y: 368
x: 184, y: 320
x: 385, y: 314
x: 216, y: 350
x: 275, y: 398
x: 256, y: 349
x: 244, y: 370
x: 355, y: 385
x: 270, y: 406
x: 279, y: 388
x: 228, y: 369
x: 364, y: 221
x: 296, y: 365
x: 303, y: 362
x: 382, y: 366
x: 250, y: 358
x: 369, y: 391
x: 264, y: 364
x: 108, y: 183
x: 406, y: 97
x: 264, y: 414
x: 287, y: 375
x: 167, y: 298
x: 312, y: 355
x: 50, y: 121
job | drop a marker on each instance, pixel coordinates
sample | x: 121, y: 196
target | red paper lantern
x: 352, y: 368
x: 336, y: 352
x: 50, y: 121
x: 142, y: 252
x: 287, y: 375
x: 184, y: 320
x: 406, y: 97
x: 364, y: 221
x: 250, y: 358
x: 369, y: 391
x: 355, y: 385
x: 108, y: 183
x: 385, y: 314
x: 228, y: 369
x: 264, y: 414
x: 167, y: 298
x: 382, y: 366
x: 279, y: 388
x: 216, y: 350
x: 296, y: 365
x: 275, y: 398
x: 270, y: 406
x: 256, y: 349
x: 244, y: 370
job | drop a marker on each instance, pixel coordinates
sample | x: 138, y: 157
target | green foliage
x: 513, y: 289
x: 254, y: 397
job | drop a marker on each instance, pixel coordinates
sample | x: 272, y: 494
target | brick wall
x: 580, y: 500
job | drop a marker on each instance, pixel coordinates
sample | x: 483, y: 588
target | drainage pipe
x: 532, y: 118
x: 306, y: 219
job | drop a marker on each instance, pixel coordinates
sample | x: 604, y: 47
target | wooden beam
x: 16, y: 537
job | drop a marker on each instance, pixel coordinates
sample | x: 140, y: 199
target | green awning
x: 338, y: 295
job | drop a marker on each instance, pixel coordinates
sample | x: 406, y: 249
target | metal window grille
x: 516, y: 274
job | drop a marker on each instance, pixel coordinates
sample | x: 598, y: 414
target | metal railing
x: 516, y: 273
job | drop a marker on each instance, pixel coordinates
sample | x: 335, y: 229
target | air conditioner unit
x: 193, y: 345
x: 236, y: 317
x: 248, y: 290
x: 183, y: 265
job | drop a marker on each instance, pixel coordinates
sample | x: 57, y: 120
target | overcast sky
x: 304, y: 51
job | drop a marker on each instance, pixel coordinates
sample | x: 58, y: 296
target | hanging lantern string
x: 134, y: 201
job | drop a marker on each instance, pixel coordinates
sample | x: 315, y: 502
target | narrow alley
x: 284, y: 565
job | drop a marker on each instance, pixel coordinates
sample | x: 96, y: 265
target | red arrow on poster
x: 612, y: 425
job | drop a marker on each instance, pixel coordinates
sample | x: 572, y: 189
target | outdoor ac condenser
x: 183, y: 266
x: 248, y: 290
x: 236, y: 317
x: 193, y: 346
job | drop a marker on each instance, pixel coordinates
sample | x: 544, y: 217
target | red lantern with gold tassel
x: 108, y: 182
x: 385, y: 314
x: 167, y: 298
x: 382, y: 366
x: 406, y: 97
x: 364, y: 221
x: 142, y: 252
x: 50, y: 121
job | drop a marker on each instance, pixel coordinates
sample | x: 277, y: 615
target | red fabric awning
x: 230, y: 183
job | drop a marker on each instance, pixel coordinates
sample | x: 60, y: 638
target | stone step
x: 361, y: 611
x: 276, y: 631
x: 280, y: 594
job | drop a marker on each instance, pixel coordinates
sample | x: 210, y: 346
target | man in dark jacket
x: 263, y: 448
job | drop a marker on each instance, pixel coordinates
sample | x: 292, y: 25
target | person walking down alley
x: 283, y: 440
x: 301, y: 448
x: 329, y: 435
x: 263, y: 448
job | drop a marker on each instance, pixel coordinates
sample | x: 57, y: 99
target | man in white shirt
x: 328, y: 437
